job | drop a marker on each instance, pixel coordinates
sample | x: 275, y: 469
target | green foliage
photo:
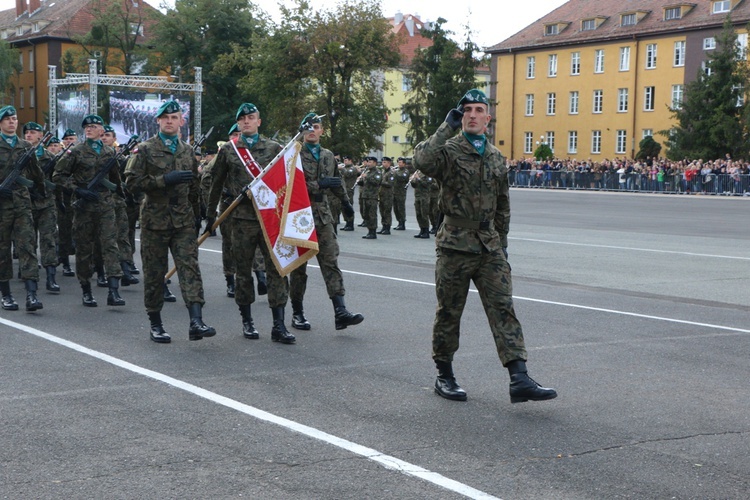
x: 712, y: 119
x: 648, y: 147
x: 9, y: 68
x: 543, y: 151
x: 439, y: 76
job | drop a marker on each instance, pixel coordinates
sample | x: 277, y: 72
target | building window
x: 551, y: 29
x: 573, y: 103
x: 628, y: 20
x: 528, y: 142
x: 722, y: 6
x: 647, y: 132
x: 588, y: 24
x: 31, y: 61
x: 624, y: 58
x: 622, y: 142
x: 552, y: 65
x: 136, y: 29
x: 677, y: 96
x: 551, y: 140
x: 706, y: 67
x: 622, y: 100
x: 742, y: 46
x: 20, y: 60
x: 19, y: 31
x: 405, y: 118
x: 35, y: 28
x: 395, y: 139
x: 529, y: 104
x: 551, y: 103
x: 530, y: 67
x: 648, y: 99
x: 599, y: 61
x: 651, y: 56
x: 572, y: 142
x: 405, y: 83
x: 596, y: 141
x: 679, y: 53
x: 672, y: 13
x: 21, y: 102
x: 32, y: 97
x: 709, y: 43
x: 575, y: 63
x: 740, y: 95
x: 598, y: 101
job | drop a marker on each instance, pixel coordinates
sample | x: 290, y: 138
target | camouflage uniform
x: 349, y: 174
x: 474, y: 199
x: 168, y: 215
x: 369, y: 183
x: 400, y: 183
x: 44, y: 213
x: 422, y: 185
x: 92, y: 220
x: 226, y: 226
x: 229, y: 173
x: 385, y: 199
x: 434, y: 206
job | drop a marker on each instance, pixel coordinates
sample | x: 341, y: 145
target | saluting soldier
x: 94, y: 215
x: 15, y: 214
x: 385, y: 195
x: 66, y: 246
x: 230, y: 173
x: 323, y: 183
x: 165, y: 170
x: 471, y: 245
x: 349, y: 173
x: 400, y: 183
x: 369, y: 185
x: 43, y: 209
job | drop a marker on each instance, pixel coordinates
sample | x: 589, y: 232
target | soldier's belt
x: 467, y: 223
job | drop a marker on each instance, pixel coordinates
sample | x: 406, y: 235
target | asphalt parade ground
x: 635, y: 308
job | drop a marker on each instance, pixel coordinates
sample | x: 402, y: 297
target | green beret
x: 234, y: 128
x: 474, y: 96
x: 310, y: 118
x: 53, y: 140
x: 246, y: 108
x: 32, y: 126
x: 168, y: 107
x: 107, y: 128
x: 69, y: 133
x: 7, y: 111
x: 92, y: 120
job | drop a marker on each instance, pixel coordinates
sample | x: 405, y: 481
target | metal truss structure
x: 93, y: 79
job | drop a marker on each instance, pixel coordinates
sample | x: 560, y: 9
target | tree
x: 439, y: 75
x: 10, y: 66
x: 648, y: 147
x: 543, y: 151
x: 710, y: 121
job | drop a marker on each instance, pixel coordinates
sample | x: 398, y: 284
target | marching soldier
x: 323, y: 182
x: 15, y: 214
x: 349, y: 173
x: 66, y: 246
x: 94, y: 217
x: 369, y: 181
x: 385, y: 196
x: 400, y: 184
x: 164, y: 169
x: 231, y: 174
x: 422, y: 185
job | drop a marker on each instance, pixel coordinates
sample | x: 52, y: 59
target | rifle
x: 21, y: 163
x: 100, y: 177
x: 201, y: 140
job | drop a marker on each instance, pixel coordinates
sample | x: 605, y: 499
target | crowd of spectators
x: 723, y: 176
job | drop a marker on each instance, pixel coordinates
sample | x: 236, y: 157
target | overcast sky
x: 490, y: 22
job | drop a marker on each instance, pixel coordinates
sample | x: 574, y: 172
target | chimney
x: 396, y: 19
x: 409, y: 23
x: 20, y: 7
x: 34, y: 6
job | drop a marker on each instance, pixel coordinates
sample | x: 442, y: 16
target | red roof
x: 408, y: 29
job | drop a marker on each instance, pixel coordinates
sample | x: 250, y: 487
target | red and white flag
x: 283, y: 205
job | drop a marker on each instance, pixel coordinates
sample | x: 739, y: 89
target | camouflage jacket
x: 369, y: 181
x: 422, y: 185
x: 32, y: 172
x: 79, y: 165
x: 317, y: 169
x: 229, y: 172
x: 473, y: 189
x: 350, y: 174
x: 400, y: 181
x: 47, y: 200
x: 386, y: 184
x: 163, y: 207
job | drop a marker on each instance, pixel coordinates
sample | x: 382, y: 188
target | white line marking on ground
x: 387, y: 461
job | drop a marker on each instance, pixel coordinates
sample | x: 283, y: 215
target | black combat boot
x: 342, y: 316
x: 370, y: 235
x: 433, y: 230
x: 446, y: 385
x: 67, y: 271
x: 133, y: 270
x: 32, y: 303
x: 248, y: 328
x: 524, y: 388
x: 113, y: 297
x: 101, y: 278
x: 362, y: 224
x: 9, y: 304
x: 230, y: 285
x: 424, y: 233
x: 168, y: 295
x: 52, y: 286
x: 198, y: 329
x: 127, y: 276
x: 386, y: 230
x: 262, y: 285
x: 401, y: 227
x: 298, y: 316
x: 158, y: 334
x: 349, y: 226
x: 88, y: 297
x: 279, y: 333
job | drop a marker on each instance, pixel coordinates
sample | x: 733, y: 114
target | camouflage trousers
x: 65, y: 227
x: 362, y: 206
x: 385, y: 204
x: 247, y: 236
x: 335, y: 204
x: 45, y: 229
x: 133, y: 209
x: 123, y: 229
x: 434, y: 210
x: 422, y: 208
x: 155, y: 247
x: 328, y: 254
x: 370, y: 213
x: 350, y: 194
x: 225, y: 228
x: 399, y: 205
x: 17, y: 224
x: 96, y: 226
x: 259, y: 264
x: 490, y: 272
